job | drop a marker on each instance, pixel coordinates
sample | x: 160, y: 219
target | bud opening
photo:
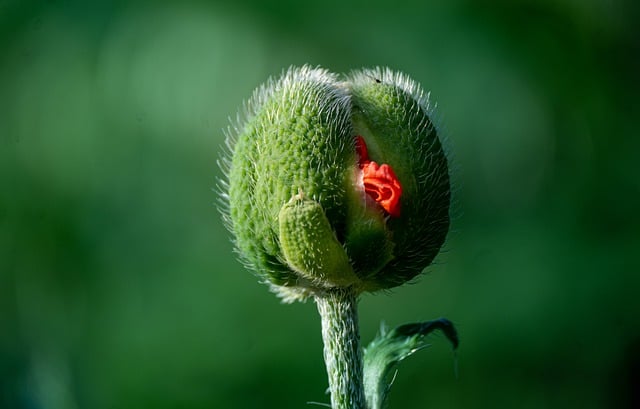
x: 380, y: 181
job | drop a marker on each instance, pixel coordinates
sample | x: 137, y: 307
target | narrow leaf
x: 389, y: 348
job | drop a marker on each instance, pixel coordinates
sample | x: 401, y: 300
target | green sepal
x: 393, y: 115
x: 389, y: 348
x: 309, y: 244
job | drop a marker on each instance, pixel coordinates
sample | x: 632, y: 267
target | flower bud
x: 334, y: 183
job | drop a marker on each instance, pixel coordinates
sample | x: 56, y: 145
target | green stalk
x: 342, y: 353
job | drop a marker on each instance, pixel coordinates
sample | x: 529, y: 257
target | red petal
x: 382, y: 184
x: 361, y: 150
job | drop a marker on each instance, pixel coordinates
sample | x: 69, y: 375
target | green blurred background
x: 118, y: 286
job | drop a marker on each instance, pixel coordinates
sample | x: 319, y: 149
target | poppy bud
x: 333, y: 183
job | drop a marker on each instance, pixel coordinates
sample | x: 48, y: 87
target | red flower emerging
x: 380, y: 182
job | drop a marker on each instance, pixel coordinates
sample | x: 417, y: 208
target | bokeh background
x: 118, y: 286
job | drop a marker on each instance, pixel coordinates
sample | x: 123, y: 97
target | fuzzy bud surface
x: 336, y: 182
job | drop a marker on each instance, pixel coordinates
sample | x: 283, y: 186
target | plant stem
x: 342, y: 353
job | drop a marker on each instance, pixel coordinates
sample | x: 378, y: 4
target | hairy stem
x: 342, y: 353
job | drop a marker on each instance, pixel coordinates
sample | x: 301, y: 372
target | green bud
x: 334, y: 183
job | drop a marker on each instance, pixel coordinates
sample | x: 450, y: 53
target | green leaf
x: 389, y: 348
